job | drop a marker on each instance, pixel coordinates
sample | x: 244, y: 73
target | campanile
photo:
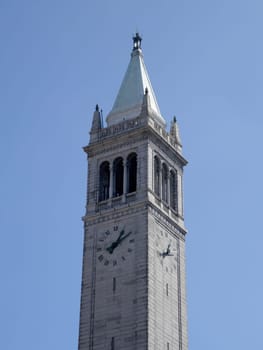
x: 133, y: 294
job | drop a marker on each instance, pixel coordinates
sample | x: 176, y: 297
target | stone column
x: 125, y: 178
x: 180, y: 195
x: 111, y: 181
x: 161, y: 180
x: 168, y: 188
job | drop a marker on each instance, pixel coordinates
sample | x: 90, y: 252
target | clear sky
x: 58, y: 59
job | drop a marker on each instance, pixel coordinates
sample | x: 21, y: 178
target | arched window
x: 118, y: 177
x: 173, y: 190
x: 131, y: 172
x: 157, y: 175
x: 165, y: 183
x: 104, y: 181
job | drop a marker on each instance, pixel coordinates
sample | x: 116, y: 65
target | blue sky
x: 58, y: 59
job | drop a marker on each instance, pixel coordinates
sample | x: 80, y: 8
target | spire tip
x: 137, y: 41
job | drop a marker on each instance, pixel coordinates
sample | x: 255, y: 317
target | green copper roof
x: 129, y: 100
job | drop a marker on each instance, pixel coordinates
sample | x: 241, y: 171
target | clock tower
x: 133, y: 280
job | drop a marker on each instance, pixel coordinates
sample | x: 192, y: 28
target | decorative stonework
x: 137, y: 124
x: 121, y: 127
x: 113, y: 214
x: 167, y: 221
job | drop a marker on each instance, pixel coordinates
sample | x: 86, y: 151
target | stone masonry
x: 133, y: 293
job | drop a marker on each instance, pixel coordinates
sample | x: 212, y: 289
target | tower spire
x: 128, y: 103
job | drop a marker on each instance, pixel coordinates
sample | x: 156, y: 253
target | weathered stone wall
x: 167, y: 302
x: 114, y: 286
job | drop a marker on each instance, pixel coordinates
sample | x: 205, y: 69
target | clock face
x: 166, y: 250
x: 115, y: 246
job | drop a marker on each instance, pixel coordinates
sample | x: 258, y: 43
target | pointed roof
x: 96, y: 122
x: 128, y: 103
x: 175, y: 135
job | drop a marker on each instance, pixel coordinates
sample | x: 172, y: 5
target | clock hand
x: 168, y: 252
x: 120, y: 235
x: 115, y: 244
x: 121, y: 239
x: 111, y: 248
x: 165, y: 253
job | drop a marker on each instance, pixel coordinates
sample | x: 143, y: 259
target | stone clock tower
x: 133, y: 280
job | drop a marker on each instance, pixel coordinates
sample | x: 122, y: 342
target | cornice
x: 128, y: 210
x: 123, y: 128
x: 166, y: 220
x: 124, y: 141
x: 114, y: 213
x: 162, y: 138
x: 133, y: 131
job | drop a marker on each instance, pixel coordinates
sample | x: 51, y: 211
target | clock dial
x: 115, y: 245
x: 166, y: 250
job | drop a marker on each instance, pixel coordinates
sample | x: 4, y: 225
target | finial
x: 146, y: 105
x: 137, y: 42
x: 175, y: 135
x: 96, y: 122
x: 101, y: 118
